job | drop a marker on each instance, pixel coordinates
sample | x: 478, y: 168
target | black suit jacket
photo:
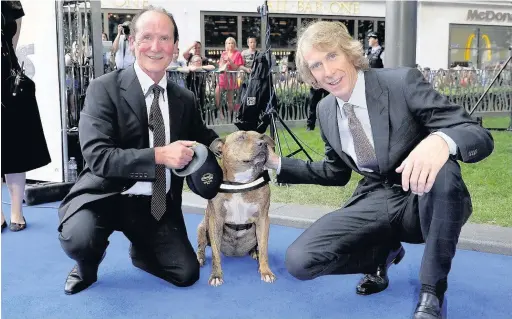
x: 114, y: 139
x: 403, y: 110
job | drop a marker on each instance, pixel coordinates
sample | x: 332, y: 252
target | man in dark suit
x: 375, y: 53
x: 134, y: 128
x: 405, y: 139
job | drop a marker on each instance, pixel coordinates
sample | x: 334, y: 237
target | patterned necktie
x: 364, y: 151
x: 156, y: 124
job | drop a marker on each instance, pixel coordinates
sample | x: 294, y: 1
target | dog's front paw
x: 215, y: 280
x: 267, y: 276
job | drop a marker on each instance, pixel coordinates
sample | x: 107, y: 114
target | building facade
x: 467, y: 33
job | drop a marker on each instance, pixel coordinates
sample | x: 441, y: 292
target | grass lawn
x: 489, y: 181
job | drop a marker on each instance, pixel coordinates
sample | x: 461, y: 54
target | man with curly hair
x: 405, y: 139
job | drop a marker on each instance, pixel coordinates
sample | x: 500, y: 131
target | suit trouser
x: 159, y: 248
x: 359, y: 236
x: 315, y: 95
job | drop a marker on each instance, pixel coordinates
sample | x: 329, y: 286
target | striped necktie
x: 156, y: 124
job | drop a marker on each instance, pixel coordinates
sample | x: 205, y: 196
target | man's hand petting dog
x: 175, y: 155
x: 272, y: 160
x: 419, y: 170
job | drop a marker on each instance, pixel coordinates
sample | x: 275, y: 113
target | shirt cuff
x: 278, y: 170
x: 451, y: 144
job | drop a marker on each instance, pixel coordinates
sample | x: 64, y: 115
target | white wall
x: 37, y: 45
x: 433, y: 29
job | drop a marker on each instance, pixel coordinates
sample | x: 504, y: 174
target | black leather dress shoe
x: 428, y: 307
x: 75, y: 283
x: 377, y: 282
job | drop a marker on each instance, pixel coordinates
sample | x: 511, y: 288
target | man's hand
x: 419, y: 170
x: 175, y: 155
x: 272, y: 160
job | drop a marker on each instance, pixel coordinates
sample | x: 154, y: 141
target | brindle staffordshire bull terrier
x: 236, y: 221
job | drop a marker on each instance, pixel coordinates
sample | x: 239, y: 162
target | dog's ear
x: 216, y: 146
x: 269, y: 141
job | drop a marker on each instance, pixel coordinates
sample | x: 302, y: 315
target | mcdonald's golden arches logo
x: 485, y: 37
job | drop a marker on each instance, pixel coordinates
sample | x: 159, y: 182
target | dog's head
x: 243, y: 153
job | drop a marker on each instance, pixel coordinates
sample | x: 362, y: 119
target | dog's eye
x: 247, y: 161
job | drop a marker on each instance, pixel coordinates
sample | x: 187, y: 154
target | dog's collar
x: 235, y: 187
x: 239, y: 227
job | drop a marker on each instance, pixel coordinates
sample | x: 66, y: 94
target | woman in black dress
x: 23, y: 143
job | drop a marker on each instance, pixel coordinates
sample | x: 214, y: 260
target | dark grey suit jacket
x: 114, y: 139
x: 403, y: 110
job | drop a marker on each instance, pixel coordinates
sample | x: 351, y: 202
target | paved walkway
x: 483, y: 238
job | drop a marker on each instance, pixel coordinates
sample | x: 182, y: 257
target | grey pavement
x: 477, y: 237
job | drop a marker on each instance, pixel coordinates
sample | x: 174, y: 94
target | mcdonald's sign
x: 489, y: 15
x: 471, y: 38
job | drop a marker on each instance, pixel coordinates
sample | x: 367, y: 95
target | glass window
x: 463, y: 46
x: 493, y: 57
x: 495, y: 37
x: 283, y: 32
x: 114, y: 19
x: 348, y: 23
x: 307, y: 21
x: 103, y: 19
x: 251, y: 26
x: 463, y: 37
x: 463, y: 57
x: 219, y: 28
x: 381, y: 30
x: 213, y: 55
x: 478, y: 46
x: 364, y: 26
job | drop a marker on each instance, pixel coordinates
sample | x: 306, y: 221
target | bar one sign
x: 489, y: 16
x: 314, y: 7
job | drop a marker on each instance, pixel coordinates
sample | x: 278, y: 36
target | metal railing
x: 466, y: 86
x: 218, y: 93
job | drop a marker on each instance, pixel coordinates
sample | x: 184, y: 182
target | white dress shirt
x: 358, y: 99
x: 145, y: 188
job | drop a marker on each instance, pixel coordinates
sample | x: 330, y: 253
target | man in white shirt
x: 405, y: 139
x: 134, y: 128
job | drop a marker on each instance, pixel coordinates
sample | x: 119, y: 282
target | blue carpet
x: 34, y: 269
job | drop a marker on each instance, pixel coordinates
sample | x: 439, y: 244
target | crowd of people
x: 188, y: 69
